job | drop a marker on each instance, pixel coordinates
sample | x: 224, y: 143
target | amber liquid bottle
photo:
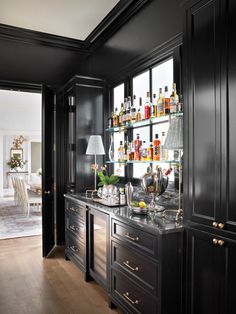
x: 147, y: 107
x: 167, y: 101
x: 156, y: 148
x: 137, y: 145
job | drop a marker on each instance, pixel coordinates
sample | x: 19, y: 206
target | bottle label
x: 147, y: 112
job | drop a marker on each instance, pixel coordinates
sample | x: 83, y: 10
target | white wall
x: 20, y: 114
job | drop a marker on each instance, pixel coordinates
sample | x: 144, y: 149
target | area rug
x: 14, y: 224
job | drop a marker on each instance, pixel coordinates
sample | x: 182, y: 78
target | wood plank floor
x: 30, y: 284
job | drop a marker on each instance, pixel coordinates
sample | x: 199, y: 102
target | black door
x: 47, y: 170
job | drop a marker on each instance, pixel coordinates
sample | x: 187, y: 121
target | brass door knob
x: 221, y: 225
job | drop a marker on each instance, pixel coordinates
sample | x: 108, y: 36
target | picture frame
x: 17, y: 152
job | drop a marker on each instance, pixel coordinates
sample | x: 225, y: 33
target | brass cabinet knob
x: 221, y: 225
x: 215, y: 224
x: 215, y: 241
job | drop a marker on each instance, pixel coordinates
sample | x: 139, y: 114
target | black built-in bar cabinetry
x: 210, y: 150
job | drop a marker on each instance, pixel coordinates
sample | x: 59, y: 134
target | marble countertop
x: 158, y: 225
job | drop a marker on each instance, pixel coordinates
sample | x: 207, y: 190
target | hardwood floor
x: 30, y: 284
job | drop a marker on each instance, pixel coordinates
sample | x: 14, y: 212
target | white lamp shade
x: 95, y: 146
x: 174, y: 138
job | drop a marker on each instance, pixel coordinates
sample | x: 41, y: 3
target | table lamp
x: 95, y: 147
x: 174, y: 141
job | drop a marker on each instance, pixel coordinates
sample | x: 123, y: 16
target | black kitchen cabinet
x: 76, y: 239
x: 99, y: 249
x: 212, y: 272
x: 209, y: 159
x: 146, y: 270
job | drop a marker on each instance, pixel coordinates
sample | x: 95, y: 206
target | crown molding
x: 123, y: 11
x: 33, y: 37
x: 20, y: 86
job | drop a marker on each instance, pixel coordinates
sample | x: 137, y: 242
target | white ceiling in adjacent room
x: 20, y: 111
x: 72, y: 18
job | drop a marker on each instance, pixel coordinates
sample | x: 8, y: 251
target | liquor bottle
x: 125, y: 151
x: 133, y: 114
x: 134, y: 102
x: 164, y: 151
x: 166, y: 101
x: 121, y: 115
x: 128, y: 111
x: 141, y: 108
x: 122, y: 196
x: 156, y: 149
x: 110, y: 121
x: 121, y: 152
x: 174, y: 100
x: 160, y: 104
x: 125, y: 108
x: 143, y: 151
x: 153, y: 110
x: 138, y: 116
x: 116, y: 118
x: 150, y: 152
x: 137, y: 145
x: 147, y: 107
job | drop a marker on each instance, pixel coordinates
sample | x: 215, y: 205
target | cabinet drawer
x: 76, y: 227
x: 75, y: 248
x: 76, y: 209
x: 131, y: 296
x: 135, y: 237
x: 136, y: 266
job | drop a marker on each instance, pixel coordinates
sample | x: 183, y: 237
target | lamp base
x: 89, y: 194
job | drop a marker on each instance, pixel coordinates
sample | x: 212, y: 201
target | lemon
x: 142, y: 204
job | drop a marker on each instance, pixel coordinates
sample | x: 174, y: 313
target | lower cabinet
x: 99, y: 246
x: 76, y: 234
x: 211, y: 273
x: 146, y: 270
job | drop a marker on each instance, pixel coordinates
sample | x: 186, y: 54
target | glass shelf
x: 146, y: 122
x: 143, y: 162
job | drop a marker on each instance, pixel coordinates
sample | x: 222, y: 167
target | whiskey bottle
x: 116, y: 118
x: 137, y: 145
x: 121, y: 152
x: 167, y: 101
x: 156, y: 148
x: 160, y: 104
x: 147, y: 107
x: 174, y: 100
x: 153, y: 110
x: 141, y: 108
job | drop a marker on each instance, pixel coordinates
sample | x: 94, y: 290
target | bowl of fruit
x: 139, y: 207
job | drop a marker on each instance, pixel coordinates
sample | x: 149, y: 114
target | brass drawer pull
x: 219, y: 225
x: 74, y: 248
x: 130, y: 267
x: 215, y: 224
x: 218, y: 242
x: 126, y: 295
x: 127, y: 235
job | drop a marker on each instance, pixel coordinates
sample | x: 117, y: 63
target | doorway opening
x: 20, y: 164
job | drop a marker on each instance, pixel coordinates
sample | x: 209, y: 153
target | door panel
x: 204, y: 106
x: 47, y: 170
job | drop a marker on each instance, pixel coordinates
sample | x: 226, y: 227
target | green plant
x: 105, y: 179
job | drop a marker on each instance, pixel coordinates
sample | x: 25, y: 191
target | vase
x: 110, y: 193
x: 111, y: 148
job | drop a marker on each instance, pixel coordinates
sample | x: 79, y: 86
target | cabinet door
x: 99, y: 246
x: 202, y: 124
x: 211, y: 274
x: 230, y: 116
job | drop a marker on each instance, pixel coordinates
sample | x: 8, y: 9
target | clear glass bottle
x: 153, y: 110
x: 121, y: 115
x: 160, y: 104
x: 111, y: 147
x: 121, y: 152
x: 164, y: 152
x: 143, y: 151
x: 174, y: 100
